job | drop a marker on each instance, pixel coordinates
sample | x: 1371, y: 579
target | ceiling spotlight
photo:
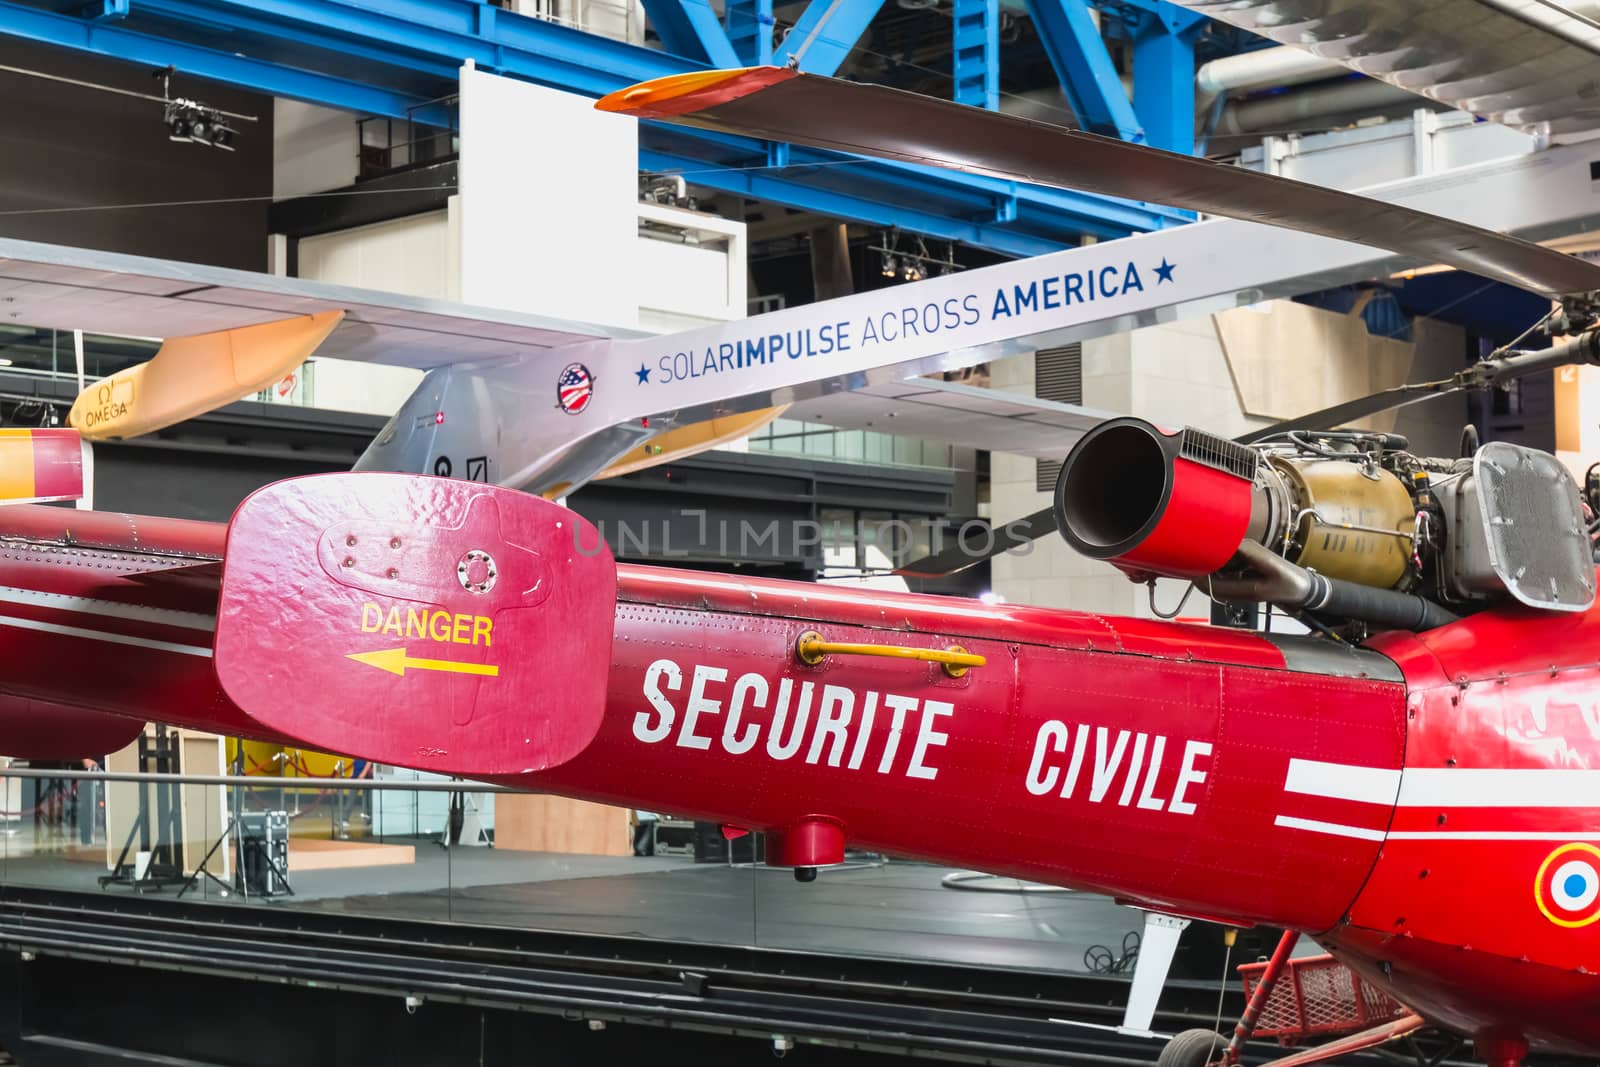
x: 180, y: 123
x: 891, y: 266
x: 190, y: 121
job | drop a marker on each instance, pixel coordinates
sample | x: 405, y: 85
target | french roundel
x: 1568, y: 885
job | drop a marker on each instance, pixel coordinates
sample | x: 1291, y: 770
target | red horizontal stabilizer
x: 445, y: 625
x: 45, y: 730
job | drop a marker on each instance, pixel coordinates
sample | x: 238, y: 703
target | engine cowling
x: 1153, y: 502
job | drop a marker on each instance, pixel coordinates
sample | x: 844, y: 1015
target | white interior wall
x: 549, y: 195
x: 547, y: 221
x: 683, y: 286
x: 1577, y: 403
x: 313, y: 149
x: 411, y: 255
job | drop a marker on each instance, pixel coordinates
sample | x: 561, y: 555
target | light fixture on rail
x: 912, y: 266
x: 185, y: 120
x: 190, y: 120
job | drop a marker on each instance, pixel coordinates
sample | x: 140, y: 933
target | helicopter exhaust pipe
x: 1275, y: 580
x: 1152, y: 502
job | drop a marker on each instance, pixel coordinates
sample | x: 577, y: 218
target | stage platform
x: 869, y: 906
x: 587, y: 959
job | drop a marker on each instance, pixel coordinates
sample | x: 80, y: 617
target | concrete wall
x: 415, y: 256
x: 315, y: 148
x: 1175, y: 375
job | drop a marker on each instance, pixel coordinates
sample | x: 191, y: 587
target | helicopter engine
x: 1346, y: 525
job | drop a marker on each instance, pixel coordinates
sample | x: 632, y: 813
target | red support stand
x: 1258, y: 999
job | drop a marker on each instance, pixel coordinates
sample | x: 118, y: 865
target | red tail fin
x: 439, y: 624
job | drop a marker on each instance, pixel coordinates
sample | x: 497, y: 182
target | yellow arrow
x: 395, y: 661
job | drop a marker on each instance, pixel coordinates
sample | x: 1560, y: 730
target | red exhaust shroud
x: 1152, y: 502
x: 444, y: 625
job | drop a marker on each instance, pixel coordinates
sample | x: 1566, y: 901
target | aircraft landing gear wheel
x: 1192, y: 1048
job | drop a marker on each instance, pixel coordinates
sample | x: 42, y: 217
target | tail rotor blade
x: 970, y: 551
x: 1359, y: 408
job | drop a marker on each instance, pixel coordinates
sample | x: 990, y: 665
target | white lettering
x: 901, y: 705
x: 746, y: 685
x: 864, y: 730
x: 1133, y: 769
x: 1105, y: 769
x: 698, y: 705
x: 1078, y: 745
x: 833, y: 720
x: 1187, y: 775
x: 1056, y: 734
x: 777, y: 716
x: 782, y: 750
x: 931, y: 709
x: 652, y: 692
x: 1147, y: 798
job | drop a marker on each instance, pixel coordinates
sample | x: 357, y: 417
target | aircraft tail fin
x: 444, y: 625
x: 192, y: 375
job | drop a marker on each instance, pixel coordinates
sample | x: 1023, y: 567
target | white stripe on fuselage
x: 1446, y: 787
x: 1336, y: 829
x: 1442, y: 787
x: 1342, y: 781
x: 101, y: 635
x: 82, y: 605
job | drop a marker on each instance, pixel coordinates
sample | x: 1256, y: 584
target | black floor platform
x: 106, y: 978
x: 870, y: 906
x: 181, y: 967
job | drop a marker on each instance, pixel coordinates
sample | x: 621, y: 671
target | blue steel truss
x: 399, y: 57
x: 975, y: 52
x: 750, y: 26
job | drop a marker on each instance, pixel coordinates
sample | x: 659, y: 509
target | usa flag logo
x: 575, y: 388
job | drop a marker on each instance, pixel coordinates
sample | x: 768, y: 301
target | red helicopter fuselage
x: 1428, y: 807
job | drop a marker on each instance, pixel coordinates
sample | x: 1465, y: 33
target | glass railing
x: 398, y: 846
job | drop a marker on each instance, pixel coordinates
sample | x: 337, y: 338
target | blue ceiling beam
x: 454, y: 31
x: 975, y: 52
x: 1163, y: 86
x: 825, y: 34
x: 689, y: 28
x: 981, y: 199
x: 106, y: 38
x: 239, y: 19
x: 1088, y: 77
x: 749, y: 25
x: 423, y: 42
x: 758, y: 185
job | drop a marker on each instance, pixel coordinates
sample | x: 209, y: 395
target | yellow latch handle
x: 811, y: 649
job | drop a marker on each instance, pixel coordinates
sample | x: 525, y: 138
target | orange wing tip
x: 682, y: 94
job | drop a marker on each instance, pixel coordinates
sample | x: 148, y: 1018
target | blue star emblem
x: 1164, y: 272
x: 643, y: 374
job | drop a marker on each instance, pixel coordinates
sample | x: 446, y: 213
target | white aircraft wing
x: 106, y: 292
x: 955, y: 414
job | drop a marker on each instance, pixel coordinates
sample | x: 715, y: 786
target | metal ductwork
x: 1525, y: 65
x: 1316, y: 107
x: 1266, y: 69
